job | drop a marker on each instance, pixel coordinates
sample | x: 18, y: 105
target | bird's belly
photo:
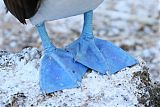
x: 57, y: 9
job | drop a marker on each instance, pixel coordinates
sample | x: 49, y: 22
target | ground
x: 19, y: 86
x: 131, y: 25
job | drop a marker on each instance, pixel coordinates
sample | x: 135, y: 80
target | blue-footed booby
x: 64, y: 68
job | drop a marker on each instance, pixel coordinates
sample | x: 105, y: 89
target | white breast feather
x: 57, y: 9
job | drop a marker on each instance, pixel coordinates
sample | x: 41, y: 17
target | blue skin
x: 99, y: 55
x: 58, y: 69
x: 64, y: 68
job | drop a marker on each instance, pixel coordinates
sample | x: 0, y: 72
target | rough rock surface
x: 19, y: 72
x: 130, y: 24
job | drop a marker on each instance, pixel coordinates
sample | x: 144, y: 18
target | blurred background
x: 133, y: 25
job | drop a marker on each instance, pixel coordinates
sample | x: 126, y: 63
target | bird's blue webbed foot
x: 58, y: 69
x: 97, y: 54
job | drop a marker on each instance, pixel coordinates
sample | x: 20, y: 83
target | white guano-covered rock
x: 19, y: 76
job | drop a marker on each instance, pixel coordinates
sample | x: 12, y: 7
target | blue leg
x: 58, y: 69
x: 97, y: 54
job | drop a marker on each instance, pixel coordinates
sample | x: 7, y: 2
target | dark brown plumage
x: 22, y: 9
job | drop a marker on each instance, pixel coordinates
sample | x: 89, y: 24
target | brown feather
x: 22, y: 9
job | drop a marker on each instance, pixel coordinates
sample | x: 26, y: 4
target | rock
x: 19, y: 76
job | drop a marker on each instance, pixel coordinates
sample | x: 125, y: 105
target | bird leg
x: 46, y: 41
x: 58, y: 70
x: 97, y: 54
